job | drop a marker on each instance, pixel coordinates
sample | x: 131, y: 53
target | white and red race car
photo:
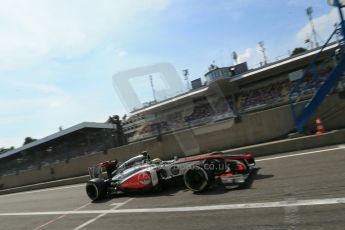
x: 141, y: 174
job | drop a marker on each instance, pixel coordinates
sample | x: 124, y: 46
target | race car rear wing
x: 95, y: 172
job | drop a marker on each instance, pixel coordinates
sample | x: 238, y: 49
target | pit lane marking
x: 301, y: 154
x: 102, y: 214
x: 115, y: 210
x: 115, y: 204
x: 59, y: 217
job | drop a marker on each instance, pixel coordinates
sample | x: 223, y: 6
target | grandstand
x: 81, y: 139
x: 230, y: 92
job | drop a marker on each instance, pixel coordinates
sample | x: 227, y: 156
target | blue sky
x: 57, y: 57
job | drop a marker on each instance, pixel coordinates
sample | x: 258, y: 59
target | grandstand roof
x: 275, y: 67
x: 171, y: 100
x: 59, y: 134
x: 265, y: 71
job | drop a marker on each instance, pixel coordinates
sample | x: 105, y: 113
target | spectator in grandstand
x: 262, y: 96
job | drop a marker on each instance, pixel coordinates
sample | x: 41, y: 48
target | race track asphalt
x: 300, y: 190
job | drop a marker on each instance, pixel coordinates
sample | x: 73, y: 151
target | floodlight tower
x: 263, y: 50
x: 309, y: 12
x: 310, y: 42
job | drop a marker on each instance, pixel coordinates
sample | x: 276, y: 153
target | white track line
x: 58, y: 218
x: 276, y: 204
x: 301, y: 154
x: 102, y: 214
x: 43, y: 190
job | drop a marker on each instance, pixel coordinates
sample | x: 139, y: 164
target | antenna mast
x: 186, y: 77
x: 235, y: 57
x: 263, y: 50
x: 153, y: 88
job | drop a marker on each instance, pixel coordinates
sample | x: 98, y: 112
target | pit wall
x: 252, y: 128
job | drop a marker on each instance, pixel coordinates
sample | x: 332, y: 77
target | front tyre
x: 96, y: 189
x: 196, y: 179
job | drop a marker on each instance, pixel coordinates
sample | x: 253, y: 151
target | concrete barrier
x: 296, y: 144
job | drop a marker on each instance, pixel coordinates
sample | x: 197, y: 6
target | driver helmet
x: 156, y: 161
x: 146, y: 155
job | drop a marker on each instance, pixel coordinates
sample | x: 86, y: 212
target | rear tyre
x: 96, y: 189
x: 197, y: 179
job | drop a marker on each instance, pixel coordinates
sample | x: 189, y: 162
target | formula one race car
x: 140, y: 173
